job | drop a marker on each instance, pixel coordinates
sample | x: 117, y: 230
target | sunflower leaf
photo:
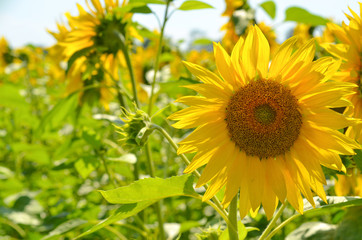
x: 150, y: 189
x: 301, y: 15
x: 56, y: 116
x: 194, y: 5
x: 358, y: 158
x: 333, y: 202
x: 269, y: 7
x: 148, y: 1
x: 122, y: 212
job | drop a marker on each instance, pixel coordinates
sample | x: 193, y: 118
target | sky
x: 26, y: 21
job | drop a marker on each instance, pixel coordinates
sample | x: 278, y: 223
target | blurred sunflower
x: 265, y: 130
x: 101, y: 35
x: 303, y: 32
x: 5, y: 56
x: 349, y: 184
x: 350, y: 51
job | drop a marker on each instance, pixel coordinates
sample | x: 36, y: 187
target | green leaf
x: 314, y: 231
x: 55, y: 117
x: 269, y: 7
x: 174, y: 88
x: 333, y: 202
x: 91, y: 137
x: 141, y: 9
x: 202, y: 41
x: 194, y: 5
x: 76, y: 55
x: 86, y: 165
x: 65, y: 227
x: 358, y: 158
x: 10, y: 96
x: 122, y: 212
x: 301, y: 15
x: 152, y: 189
x: 148, y: 1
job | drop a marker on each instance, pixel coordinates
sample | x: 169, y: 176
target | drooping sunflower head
x: 263, y: 128
x: 105, y: 28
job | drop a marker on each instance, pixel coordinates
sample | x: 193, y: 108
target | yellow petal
x: 256, y: 175
x: 216, y: 163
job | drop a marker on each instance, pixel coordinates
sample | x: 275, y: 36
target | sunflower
x: 349, y: 184
x: 350, y: 51
x: 5, y: 55
x: 100, y: 35
x: 265, y: 130
x: 303, y: 32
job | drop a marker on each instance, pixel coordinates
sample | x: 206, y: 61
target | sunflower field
x: 118, y: 132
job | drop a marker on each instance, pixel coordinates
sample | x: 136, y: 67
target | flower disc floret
x: 263, y: 118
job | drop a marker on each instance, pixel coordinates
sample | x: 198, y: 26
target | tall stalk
x: 157, y: 61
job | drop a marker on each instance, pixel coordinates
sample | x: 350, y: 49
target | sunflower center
x: 263, y: 118
x: 264, y: 114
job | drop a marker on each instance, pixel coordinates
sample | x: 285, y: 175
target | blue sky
x: 26, y: 21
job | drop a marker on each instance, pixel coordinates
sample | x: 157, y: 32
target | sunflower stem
x: 215, y: 203
x: 157, y: 61
x: 272, y: 223
x: 280, y: 226
x: 131, y: 74
x: 110, y: 176
x: 233, y: 226
x: 158, y: 204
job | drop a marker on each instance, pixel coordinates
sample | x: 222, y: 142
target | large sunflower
x: 265, y: 130
x: 350, y: 51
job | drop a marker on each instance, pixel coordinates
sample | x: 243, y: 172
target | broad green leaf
x: 350, y: 228
x: 91, y: 137
x: 174, y: 89
x: 141, y: 9
x: 148, y: 1
x: 10, y: 96
x: 269, y: 7
x: 86, y: 165
x: 122, y: 212
x: 314, y: 231
x: 65, y: 227
x: 193, y: 5
x: 152, y: 189
x: 333, y: 202
x: 202, y: 41
x: 56, y: 116
x: 187, y: 225
x: 301, y: 15
x: 34, y: 152
x: 358, y: 158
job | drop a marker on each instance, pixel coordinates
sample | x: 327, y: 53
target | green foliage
x: 193, y: 5
x: 301, y: 15
x: 152, y: 189
x: 269, y: 7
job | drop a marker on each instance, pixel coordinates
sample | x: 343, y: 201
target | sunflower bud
x: 136, y: 128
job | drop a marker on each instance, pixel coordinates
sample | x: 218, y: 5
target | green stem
x: 131, y: 74
x: 216, y: 203
x: 110, y: 176
x: 272, y: 223
x: 233, y: 235
x: 16, y: 227
x: 157, y: 61
x: 280, y: 226
x: 158, y: 204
